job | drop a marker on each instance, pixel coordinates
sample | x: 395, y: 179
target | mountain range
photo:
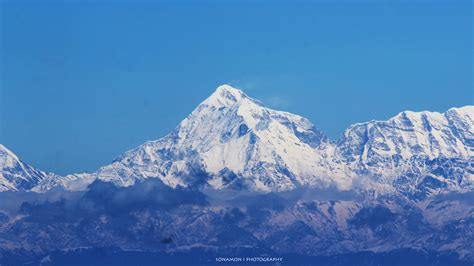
x: 231, y: 141
x: 237, y: 179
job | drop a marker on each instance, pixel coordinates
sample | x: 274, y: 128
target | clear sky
x: 82, y: 82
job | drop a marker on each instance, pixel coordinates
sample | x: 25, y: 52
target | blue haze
x: 81, y: 82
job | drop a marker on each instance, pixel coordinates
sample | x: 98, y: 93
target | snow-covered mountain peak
x: 467, y: 110
x: 227, y: 91
x: 465, y: 113
x: 7, y: 157
x: 428, y: 134
x: 15, y: 174
x: 408, y: 117
x: 463, y: 117
x: 231, y: 140
x: 230, y: 113
x: 227, y: 96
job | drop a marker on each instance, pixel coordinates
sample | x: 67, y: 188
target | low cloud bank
x: 100, y: 197
x: 153, y: 194
x: 277, y: 200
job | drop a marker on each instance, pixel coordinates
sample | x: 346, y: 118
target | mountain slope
x: 15, y: 174
x: 231, y: 140
x: 423, y: 134
x: 280, y: 223
x: 414, y: 152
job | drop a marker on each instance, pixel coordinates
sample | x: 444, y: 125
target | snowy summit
x: 232, y: 141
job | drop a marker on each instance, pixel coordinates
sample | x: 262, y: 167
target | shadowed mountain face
x: 158, y: 221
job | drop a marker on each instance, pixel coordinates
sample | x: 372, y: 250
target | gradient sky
x: 83, y: 82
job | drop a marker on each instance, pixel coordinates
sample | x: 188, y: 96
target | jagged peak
x: 226, y: 89
x: 411, y: 118
x: 431, y: 115
x: 465, y: 110
x: 226, y: 95
x: 468, y: 110
x: 412, y: 115
x: 7, y: 159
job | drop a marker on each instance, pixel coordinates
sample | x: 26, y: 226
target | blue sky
x: 83, y: 81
